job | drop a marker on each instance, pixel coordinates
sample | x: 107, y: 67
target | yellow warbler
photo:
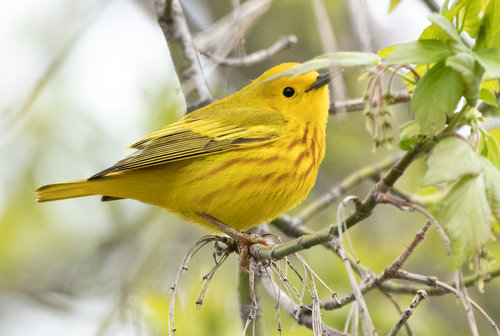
x: 243, y: 160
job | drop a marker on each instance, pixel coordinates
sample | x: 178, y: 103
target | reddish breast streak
x: 232, y: 162
x: 304, y: 137
x: 219, y: 169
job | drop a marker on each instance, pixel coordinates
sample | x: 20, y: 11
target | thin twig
x: 316, y: 313
x: 367, y: 323
x: 403, y: 319
x: 227, y: 35
x: 396, y: 305
x: 354, y: 311
x: 222, y: 37
x: 183, y: 268
x: 208, y: 278
x: 464, y: 298
x: 259, y: 56
x: 290, y: 307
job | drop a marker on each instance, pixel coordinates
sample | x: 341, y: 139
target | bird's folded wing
x: 195, y: 136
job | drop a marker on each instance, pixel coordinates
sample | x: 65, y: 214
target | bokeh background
x: 82, y: 80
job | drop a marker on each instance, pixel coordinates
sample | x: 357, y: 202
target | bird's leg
x: 243, y: 239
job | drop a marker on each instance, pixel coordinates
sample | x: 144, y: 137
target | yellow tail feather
x: 60, y: 191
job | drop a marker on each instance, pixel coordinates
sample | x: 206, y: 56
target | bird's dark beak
x: 321, y: 80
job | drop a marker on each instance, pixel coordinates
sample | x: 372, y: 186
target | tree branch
x: 358, y: 104
x: 184, y: 56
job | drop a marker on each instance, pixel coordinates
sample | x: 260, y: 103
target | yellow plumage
x: 244, y: 160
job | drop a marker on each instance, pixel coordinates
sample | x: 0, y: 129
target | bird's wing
x: 196, y: 135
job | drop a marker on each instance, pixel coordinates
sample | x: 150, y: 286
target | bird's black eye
x: 288, y: 92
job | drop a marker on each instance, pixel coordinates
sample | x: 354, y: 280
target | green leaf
x: 434, y: 31
x: 443, y: 23
x: 384, y: 53
x: 340, y: 59
x: 491, y: 85
x: 436, y: 95
x: 419, y: 52
x: 351, y: 58
x: 451, y: 159
x: 472, y: 19
x: 393, y: 5
x: 492, y: 184
x: 467, y: 217
x: 488, y: 97
x: 490, y: 148
x: 490, y: 61
x: 471, y: 72
x: 410, y: 135
x: 489, y: 33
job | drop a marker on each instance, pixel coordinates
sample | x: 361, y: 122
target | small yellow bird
x: 242, y: 160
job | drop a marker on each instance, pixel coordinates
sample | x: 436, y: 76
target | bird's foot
x: 243, y: 239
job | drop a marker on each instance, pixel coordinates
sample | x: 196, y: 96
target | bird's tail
x: 60, y: 191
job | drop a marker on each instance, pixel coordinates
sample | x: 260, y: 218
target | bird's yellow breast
x: 242, y: 188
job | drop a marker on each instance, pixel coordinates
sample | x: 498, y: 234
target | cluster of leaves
x: 456, y: 64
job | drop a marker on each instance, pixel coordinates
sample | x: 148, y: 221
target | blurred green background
x: 82, y: 80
